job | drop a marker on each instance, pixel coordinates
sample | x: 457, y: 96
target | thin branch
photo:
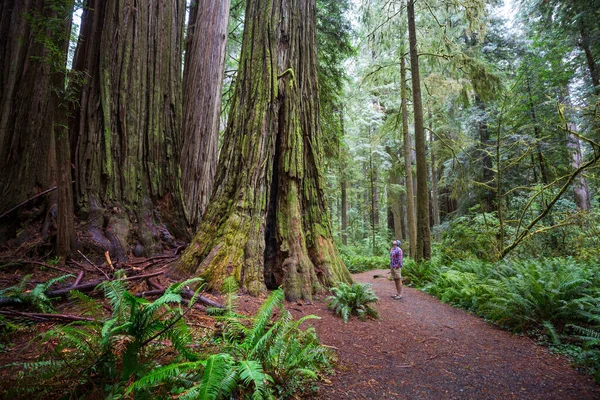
x: 564, y: 188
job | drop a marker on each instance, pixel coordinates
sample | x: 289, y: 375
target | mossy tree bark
x: 34, y: 147
x: 267, y: 223
x: 126, y: 133
x: 202, y: 85
x: 423, y: 250
x: 410, y: 192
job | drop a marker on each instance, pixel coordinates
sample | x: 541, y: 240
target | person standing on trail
x: 396, y: 268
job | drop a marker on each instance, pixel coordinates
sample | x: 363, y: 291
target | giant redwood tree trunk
x: 202, y: 85
x: 26, y: 139
x: 33, y: 51
x: 126, y: 132
x: 267, y: 223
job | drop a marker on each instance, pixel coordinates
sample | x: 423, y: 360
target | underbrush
x: 555, y: 300
x: 358, y: 263
x: 353, y: 300
x: 146, y: 349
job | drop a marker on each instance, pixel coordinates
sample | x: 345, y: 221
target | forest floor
x: 418, y: 348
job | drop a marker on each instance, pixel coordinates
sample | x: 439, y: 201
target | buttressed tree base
x: 267, y: 223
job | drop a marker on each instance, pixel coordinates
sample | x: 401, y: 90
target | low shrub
x: 353, y: 300
x: 556, y: 299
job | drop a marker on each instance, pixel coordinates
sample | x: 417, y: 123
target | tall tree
x: 267, y: 223
x: 410, y: 193
x: 34, y: 146
x: 202, y: 86
x: 126, y: 133
x: 423, y: 250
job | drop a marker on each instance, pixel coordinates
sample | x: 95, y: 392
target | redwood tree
x: 267, y: 223
x: 423, y: 250
x: 126, y: 132
x: 34, y: 148
x: 423, y: 232
x: 202, y: 79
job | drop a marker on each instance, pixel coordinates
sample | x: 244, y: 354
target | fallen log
x: 82, y: 287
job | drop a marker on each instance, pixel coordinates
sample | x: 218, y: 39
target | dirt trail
x: 420, y: 348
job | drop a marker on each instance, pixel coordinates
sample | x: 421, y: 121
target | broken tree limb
x: 44, y: 317
x: 546, y: 210
x: 40, y: 263
x: 186, y: 294
x: 79, y: 278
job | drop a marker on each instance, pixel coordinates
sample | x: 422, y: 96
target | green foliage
x: 258, y: 358
x: 357, y: 263
x: 108, y: 354
x: 353, y: 300
x: 418, y: 274
x: 556, y: 300
x: 36, y: 297
x: 471, y: 236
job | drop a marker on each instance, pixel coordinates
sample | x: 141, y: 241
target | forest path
x: 420, y: 348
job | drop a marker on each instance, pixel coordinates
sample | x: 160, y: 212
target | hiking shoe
x: 396, y: 297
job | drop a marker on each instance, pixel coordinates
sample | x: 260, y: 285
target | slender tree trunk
x: 344, y: 212
x: 344, y: 187
x: 267, y: 224
x: 487, y: 176
x: 585, y: 43
x: 402, y: 217
x: 434, y: 179
x: 423, y: 250
x: 127, y: 129
x: 410, y: 193
x: 202, y: 85
x: 393, y: 193
x: 581, y: 191
x: 537, y: 135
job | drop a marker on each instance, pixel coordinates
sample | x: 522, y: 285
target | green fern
x: 355, y: 299
x: 36, y: 297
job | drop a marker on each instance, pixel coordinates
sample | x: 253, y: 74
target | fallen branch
x: 93, y: 265
x: 43, y: 264
x: 79, y: 278
x: 28, y: 200
x: 44, y: 317
x: 186, y: 294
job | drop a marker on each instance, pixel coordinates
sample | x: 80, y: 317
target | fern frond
x: 216, y: 370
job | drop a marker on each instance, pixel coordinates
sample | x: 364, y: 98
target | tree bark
x: 267, y: 223
x: 410, y: 193
x: 434, y: 194
x: 26, y: 141
x: 585, y: 43
x: 202, y: 87
x: 344, y: 187
x: 126, y: 133
x: 423, y: 248
x: 34, y: 145
x: 537, y: 135
x: 487, y: 174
